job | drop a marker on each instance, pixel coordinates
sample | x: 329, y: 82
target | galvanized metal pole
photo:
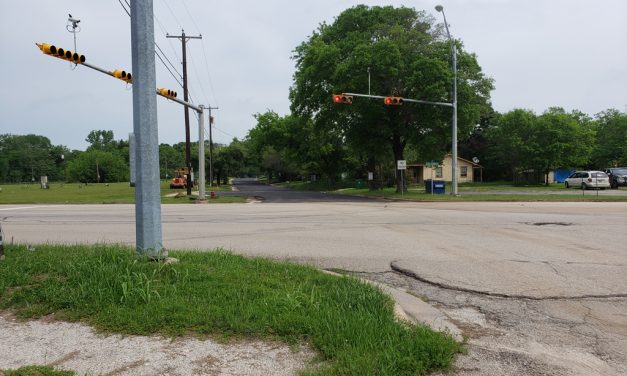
x: 454, y: 192
x: 131, y: 156
x: 147, y: 191
x: 454, y: 140
x: 210, y: 149
x: 201, y: 154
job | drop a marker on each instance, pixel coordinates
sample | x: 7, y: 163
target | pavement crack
x: 412, y: 274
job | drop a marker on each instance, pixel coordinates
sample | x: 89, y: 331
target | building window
x: 438, y: 172
x: 464, y: 171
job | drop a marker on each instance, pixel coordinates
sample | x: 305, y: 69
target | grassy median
x: 350, y: 324
x: 113, y: 193
x: 35, y: 371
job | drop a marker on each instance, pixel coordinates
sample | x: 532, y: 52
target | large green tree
x: 520, y: 140
x: 611, y: 139
x: 27, y: 157
x: 287, y: 146
x: 407, y: 56
x: 96, y: 166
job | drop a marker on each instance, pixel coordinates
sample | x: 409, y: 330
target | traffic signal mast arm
x: 446, y: 104
x: 175, y: 99
x: 60, y: 53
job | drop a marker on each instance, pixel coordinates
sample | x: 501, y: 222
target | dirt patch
x: 77, y: 347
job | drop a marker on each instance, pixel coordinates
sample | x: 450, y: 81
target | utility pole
x: 188, y: 160
x: 211, y: 145
x: 147, y: 192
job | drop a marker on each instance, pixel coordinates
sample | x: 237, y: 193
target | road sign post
x: 432, y: 165
x: 401, y: 165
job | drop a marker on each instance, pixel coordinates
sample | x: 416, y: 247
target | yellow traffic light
x: 341, y: 98
x: 123, y: 75
x: 48, y: 49
x: 52, y: 50
x: 167, y: 93
x: 393, y: 101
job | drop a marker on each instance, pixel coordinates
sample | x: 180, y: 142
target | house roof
x: 447, y: 155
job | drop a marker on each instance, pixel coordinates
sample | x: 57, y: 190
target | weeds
x: 349, y: 323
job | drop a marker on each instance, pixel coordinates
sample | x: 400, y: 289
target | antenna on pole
x: 72, y: 27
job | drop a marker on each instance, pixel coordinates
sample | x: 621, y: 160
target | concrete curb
x: 410, y: 308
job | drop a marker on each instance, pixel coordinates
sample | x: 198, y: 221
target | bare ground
x: 77, y: 347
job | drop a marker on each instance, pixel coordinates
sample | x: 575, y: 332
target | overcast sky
x: 541, y: 53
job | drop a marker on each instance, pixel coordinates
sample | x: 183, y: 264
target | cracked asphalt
x: 537, y: 288
x: 516, y: 336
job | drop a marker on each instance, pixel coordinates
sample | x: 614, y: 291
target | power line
x: 202, y: 89
x: 204, y: 55
x: 190, y: 16
x: 221, y: 131
x: 171, y: 12
x: 161, y: 58
x: 213, y: 92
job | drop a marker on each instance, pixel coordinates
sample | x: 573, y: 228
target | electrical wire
x: 161, y: 56
x: 171, y: 12
x: 202, y: 89
x: 205, y: 57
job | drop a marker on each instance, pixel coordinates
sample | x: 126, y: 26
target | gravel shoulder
x: 77, y: 347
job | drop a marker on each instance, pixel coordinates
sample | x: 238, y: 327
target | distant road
x: 253, y: 188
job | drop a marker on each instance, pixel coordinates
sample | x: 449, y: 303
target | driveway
x: 272, y: 194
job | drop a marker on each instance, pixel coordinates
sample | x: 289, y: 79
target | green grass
x: 351, y: 324
x: 36, y: 371
x: 418, y: 194
x: 506, y: 186
x: 75, y: 193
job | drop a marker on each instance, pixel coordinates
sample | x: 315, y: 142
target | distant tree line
x: 384, y: 50
x: 290, y: 147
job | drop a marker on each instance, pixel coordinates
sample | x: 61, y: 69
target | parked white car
x: 588, y: 180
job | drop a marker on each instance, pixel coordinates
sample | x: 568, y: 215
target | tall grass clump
x: 350, y: 324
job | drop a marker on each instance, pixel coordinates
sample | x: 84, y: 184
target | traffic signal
x: 393, y: 101
x: 60, y: 53
x: 341, y: 98
x: 123, y: 75
x: 167, y: 93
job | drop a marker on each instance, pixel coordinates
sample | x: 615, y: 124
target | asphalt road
x: 539, y: 288
x: 271, y: 194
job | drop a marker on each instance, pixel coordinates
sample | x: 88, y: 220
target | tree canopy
x: 407, y: 56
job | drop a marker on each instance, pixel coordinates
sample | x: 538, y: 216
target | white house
x: 467, y: 171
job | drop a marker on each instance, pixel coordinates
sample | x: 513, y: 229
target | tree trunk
x: 398, y: 147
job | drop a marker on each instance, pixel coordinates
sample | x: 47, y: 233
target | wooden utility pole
x: 211, y: 145
x: 188, y: 159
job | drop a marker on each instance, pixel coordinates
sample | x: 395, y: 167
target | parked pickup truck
x: 618, y: 176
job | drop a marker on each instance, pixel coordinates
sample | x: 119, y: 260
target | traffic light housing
x: 123, y: 75
x: 393, y: 101
x: 167, y: 93
x: 341, y: 98
x: 52, y: 50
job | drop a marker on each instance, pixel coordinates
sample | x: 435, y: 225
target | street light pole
x: 454, y: 192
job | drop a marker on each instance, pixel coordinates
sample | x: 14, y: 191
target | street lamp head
x: 439, y: 8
